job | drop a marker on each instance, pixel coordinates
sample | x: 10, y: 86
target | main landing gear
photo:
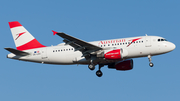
x: 91, y: 66
x: 150, y: 64
x: 99, y: 73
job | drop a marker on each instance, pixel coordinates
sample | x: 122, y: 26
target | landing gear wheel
x: 99, y: 73
x: 91, y: 66
x: 151, y: 64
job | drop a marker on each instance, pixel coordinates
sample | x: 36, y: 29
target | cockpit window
x: 162, y: 40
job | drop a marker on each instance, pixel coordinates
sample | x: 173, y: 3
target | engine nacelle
x: 114, y: 54
x: 122, y: 65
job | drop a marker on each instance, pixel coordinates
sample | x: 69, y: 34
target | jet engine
x: 122, y: 65
x: 114, y: 54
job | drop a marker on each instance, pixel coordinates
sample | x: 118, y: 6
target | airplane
x: 114, y: 53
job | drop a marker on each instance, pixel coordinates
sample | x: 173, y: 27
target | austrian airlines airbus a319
x: 115, y: 53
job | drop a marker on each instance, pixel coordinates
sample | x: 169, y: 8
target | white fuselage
x: 132, y: 48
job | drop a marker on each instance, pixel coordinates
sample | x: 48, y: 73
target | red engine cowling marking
x: 122, y: 65
x: 113, y: 55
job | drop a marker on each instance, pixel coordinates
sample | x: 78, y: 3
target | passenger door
x: 148, y: 41
x: 44, y: 54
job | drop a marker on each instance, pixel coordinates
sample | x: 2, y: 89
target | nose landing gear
x: 150, y: 64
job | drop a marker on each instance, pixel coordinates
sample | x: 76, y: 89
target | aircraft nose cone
x: 172, y: 46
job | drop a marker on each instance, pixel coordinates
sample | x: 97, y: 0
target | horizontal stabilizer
x: 16, y: 52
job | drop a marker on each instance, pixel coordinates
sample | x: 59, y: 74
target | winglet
x: 54, y: 32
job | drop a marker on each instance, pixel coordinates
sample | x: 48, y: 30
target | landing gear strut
x: 99, y: 73
x: 91, y: 66
x: 150, y: 64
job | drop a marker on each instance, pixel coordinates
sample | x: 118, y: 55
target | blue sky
x: 91, y: 20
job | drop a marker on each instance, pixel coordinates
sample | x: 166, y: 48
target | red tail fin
x: 22, y: 38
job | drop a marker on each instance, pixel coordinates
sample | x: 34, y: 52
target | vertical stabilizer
x: 22, y: 38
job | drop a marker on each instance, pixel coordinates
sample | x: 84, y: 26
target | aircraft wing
x: 78, y: 44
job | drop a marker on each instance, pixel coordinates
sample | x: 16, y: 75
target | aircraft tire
x: 99, y: 73
x: 91, y: 66
x: 151, y: 64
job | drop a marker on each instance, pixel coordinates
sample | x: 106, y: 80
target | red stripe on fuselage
x: 133, y: 40
x: 30, y: 45
x: 14, y: 24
